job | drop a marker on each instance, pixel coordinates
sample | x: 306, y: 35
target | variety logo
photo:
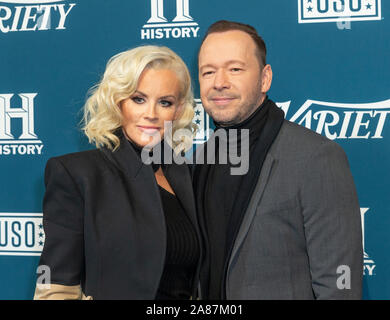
x: 312, y: 11
x: 28, y: 142
x: 369, y: 264
x: 34, y: 15
x: 158, y: 26
x: 342, y: 120
x: 21, y: 234
x: 333, y: 120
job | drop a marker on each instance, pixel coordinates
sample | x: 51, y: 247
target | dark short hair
x: 225, y: 25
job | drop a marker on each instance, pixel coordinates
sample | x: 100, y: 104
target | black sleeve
x: 63, y: 206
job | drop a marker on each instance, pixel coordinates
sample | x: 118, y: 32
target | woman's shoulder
x: 85, y: 167
x: 79, y: 156
x: 80, y: 160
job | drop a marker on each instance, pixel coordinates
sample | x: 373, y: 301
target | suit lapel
x: 254, y: 201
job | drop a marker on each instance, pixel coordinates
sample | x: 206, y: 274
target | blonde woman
x: 116, y: 227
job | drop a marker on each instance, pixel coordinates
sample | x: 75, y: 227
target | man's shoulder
x: 298, y: 140
x: 296, y: 131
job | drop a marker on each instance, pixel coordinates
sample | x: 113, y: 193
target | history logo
x: 159, y: 27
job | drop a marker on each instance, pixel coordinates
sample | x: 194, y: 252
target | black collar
x: 125, y: 157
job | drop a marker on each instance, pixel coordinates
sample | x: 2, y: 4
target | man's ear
x: 266, y: 78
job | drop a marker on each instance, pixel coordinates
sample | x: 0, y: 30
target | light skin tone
x: 156, y: 99
x: 232, y: 81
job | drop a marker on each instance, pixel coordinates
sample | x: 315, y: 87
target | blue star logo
x: 197, y: 121
x: 368, y: 6
x: 309, y: 9
x: 197, y: 113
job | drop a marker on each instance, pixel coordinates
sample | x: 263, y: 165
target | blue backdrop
x: 331, y: 74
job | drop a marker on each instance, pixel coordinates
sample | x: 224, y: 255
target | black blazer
x: 104, y: 222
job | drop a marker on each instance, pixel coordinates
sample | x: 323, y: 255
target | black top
x: 182, y: 253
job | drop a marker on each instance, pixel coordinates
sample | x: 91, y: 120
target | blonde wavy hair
x: 102, y: 114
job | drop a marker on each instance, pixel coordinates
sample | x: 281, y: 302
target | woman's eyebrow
x: 141, y: 93
x: 168, y: 96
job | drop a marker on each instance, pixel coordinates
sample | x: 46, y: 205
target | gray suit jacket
x: 303, y: 223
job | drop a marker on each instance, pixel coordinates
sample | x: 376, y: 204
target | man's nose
x: 221, y: 80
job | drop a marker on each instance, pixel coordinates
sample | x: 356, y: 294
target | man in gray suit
x: 289, y: 227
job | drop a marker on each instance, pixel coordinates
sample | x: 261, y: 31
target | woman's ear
x: 120, y: 105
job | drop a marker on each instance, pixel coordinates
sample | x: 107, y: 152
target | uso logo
x: 21, y: 234
x: 202, y: 120
x: 312, y: 11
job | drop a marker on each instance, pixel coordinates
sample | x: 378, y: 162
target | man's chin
x: 224, y: 117
x: 225, y: 121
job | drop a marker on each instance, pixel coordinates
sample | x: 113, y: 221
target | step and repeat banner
x: 331, y: 74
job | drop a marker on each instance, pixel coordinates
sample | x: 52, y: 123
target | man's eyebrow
x: 210, y: 65
x: 235, y: 61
